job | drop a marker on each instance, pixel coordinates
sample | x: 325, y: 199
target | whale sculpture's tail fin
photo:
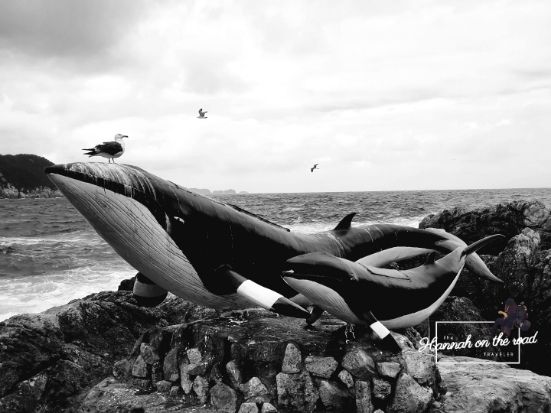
x: 481, y: 243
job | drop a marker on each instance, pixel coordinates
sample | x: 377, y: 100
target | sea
x: 49, y: 254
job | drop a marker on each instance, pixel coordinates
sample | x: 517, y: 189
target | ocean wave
x: 33, y: 294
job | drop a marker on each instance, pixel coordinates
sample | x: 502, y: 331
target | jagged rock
x: 163, y: 386
x: 126, y: 285
x: 321, y: 366
x: 175, y: 391
x: 491, y: 387
x: 421, y: 366
x: 26, y: 397
x: 142, y: 384
x: 359, y: 363
x: 194, y: 356
x: 346, y: 378
x: 409, y: 396
x: 334, y: 398
x: 381, y: 388
x: 255, y: 389
x: 76, y: 344
x: 157, y: 372
x: 268, y: 408
x: 296, y: 392
x: 223, y: 398
x: 248, y: 408
x: 148, y: 354
x: 170, y: 365
x: 139, y: 368
x: 185, y: 382
x: 201, y: 388
x: 292, y: 360
x: 389, y: 369
x: 112, y: 396
x: 507, y: 219
x: 122, y: 369
x: 234, y: 374
x: 363, y: 397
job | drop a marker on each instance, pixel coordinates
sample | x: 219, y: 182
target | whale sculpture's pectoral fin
x: 388, y: 342
x: 146, y: 292
x: 262, y: 296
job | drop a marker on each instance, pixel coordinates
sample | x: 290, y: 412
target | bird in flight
x: 314, y: 167
x: 109, y: 150
x: 202, y: 114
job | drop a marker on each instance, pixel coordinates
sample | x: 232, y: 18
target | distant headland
x: 22, y: 176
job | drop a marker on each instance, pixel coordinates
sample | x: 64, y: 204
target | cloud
x: 383, y: 95
x: 66, y: 28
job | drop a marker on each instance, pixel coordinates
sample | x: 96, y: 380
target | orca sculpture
x: 362, y: 294
x: 212, y: 253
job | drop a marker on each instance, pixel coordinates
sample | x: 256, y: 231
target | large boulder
x: 506, y: 219
x: 53, y: 356
x: 477, y: 387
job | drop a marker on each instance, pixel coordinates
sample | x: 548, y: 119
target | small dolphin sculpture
x: 362, y: 294
x: 217, y: 254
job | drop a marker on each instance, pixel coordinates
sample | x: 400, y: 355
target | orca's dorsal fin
x: 345, y: 222
x: 429, y: 259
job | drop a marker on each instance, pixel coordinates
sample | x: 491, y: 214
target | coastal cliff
x: 23, y: 176
x: 105, y: 353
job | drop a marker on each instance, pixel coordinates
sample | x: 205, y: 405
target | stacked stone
x: 358, y: 383
x: 364, y: 380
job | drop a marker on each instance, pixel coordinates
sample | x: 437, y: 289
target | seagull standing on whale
x: 109, y: 150
x: 202, y: 114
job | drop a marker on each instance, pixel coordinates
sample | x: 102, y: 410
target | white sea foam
x: 33, y: 294
x: 81, y: 237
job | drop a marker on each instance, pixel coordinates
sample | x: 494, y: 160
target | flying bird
x: 202, y: 114
x: 314, y: 167
x: 109, y: 150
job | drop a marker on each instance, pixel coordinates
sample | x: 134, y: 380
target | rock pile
x: 281, y: 367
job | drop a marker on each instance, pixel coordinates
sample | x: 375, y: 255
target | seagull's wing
x: 111, y: 147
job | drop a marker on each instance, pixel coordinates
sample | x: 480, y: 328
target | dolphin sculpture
x: 362, y: 294
x: 212, y: 253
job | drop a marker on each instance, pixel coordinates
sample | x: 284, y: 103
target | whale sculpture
x: 217, y: 254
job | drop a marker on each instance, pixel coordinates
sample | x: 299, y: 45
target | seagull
x: 109, y: 150
x: 202, y: 114
x: 314, y: 167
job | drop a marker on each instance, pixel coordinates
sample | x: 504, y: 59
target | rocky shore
x: 103, y: 353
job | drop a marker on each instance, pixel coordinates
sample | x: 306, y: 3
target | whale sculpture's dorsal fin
x: 429, y: 259
x: 345, y: 222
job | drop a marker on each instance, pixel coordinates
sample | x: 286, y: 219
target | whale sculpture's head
x: 138, y: 214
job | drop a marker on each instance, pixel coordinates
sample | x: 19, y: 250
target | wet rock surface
x: 47, y: 359
x: 490, y: 387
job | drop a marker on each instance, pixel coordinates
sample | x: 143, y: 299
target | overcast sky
x: 383, y: 95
